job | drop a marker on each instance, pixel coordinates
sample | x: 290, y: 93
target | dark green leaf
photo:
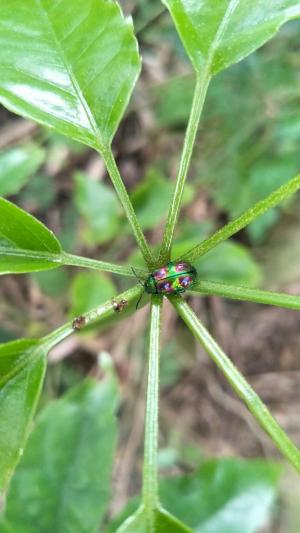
x: 218, y: 34
x: 68, y: 65
x: 99, y: 206
x: 217, y: 498
x: 22, y: 367
x: 16, y: 167
x: 26, y: 244
x: 63, y: 481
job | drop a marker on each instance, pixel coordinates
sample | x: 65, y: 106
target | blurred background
x: 247, y: 146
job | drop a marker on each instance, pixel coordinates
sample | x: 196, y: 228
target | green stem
x: 102, y: 312
x: 239, y: 383
x: 76, y: 260
x: 242, y: 221
x: 150, y: 476
x: 202, y: 84
x: 113, y: 171
x: 278, y: 299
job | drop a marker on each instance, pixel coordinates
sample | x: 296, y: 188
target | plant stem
x: 150, y: 477
x: 278, y: 299
x: 242, y: 221
x: 114, y: 173
x: 76, y: 260
x: 101, y: 313
x: 202, y: 83
x: 239, y: 383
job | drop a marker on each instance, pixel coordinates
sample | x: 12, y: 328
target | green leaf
x: 89, y: 290
x: 26, y: 244
x: 218, y: 34
x: 63, y: 480
x: 99, y: 206
x: 231, y: 263
x: 163, y: 523
x: 22, y: 368
x: 70, y: 66
x: 16, y: 167
x: 217, y: 497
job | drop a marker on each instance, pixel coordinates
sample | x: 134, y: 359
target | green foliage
x: 62, y: 481
x: 26, y: 245
x: 16, y: 167
x: 162, y: 522
x: 218, y: 496
x: 99, y: 207
x: 88, y: 290
x: 22, y: 368
x: 217, y: 35
x: 93, y: 65
x: 72, y: 67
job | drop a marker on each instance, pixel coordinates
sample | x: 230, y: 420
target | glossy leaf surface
x: 220, y: 33
x: 26, y: 244
x: 68, y: 65
x: 16, y: 167
x: 63, y: 480
x: 22, y: 367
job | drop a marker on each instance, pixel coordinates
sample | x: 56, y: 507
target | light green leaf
x: 220, y: 33
x: 63, y: 480
x: 163, y: 523
x: 26, y: 245
x: 217, y: 497
x: 229, y: 262
x: 16, y: 167
x: 89, y: 290
x: 99, y: 206
x: 22, y: 368
x: 69, y: 65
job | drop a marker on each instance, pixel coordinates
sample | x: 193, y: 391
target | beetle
x: 172, y: 278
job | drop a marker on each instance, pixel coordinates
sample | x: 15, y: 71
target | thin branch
x: 107, y: 310
x: 242, y: 388
x: 150, y: 475
x: 233, y: 292
x: 202, y: 84
x: 117, y: 181
x: 76, y: 260
x: 242, y: 221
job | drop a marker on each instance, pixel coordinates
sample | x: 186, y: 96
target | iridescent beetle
x: 172, y: 278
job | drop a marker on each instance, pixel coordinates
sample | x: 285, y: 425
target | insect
x: 79, y: 323
x: 119, y: 305
x: 172, y: 278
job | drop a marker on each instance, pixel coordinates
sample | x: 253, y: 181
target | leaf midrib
x: 72, y: 76
x: 233, y: 4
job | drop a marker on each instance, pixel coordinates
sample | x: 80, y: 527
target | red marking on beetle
x: 79, y: 322
x: 180, y: 267
x: 165, y: 286
x: 185, y: 281
x: 161, y: 273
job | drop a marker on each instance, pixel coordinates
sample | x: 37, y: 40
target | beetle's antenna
x: 138, y: 302
x: 137, y: 277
